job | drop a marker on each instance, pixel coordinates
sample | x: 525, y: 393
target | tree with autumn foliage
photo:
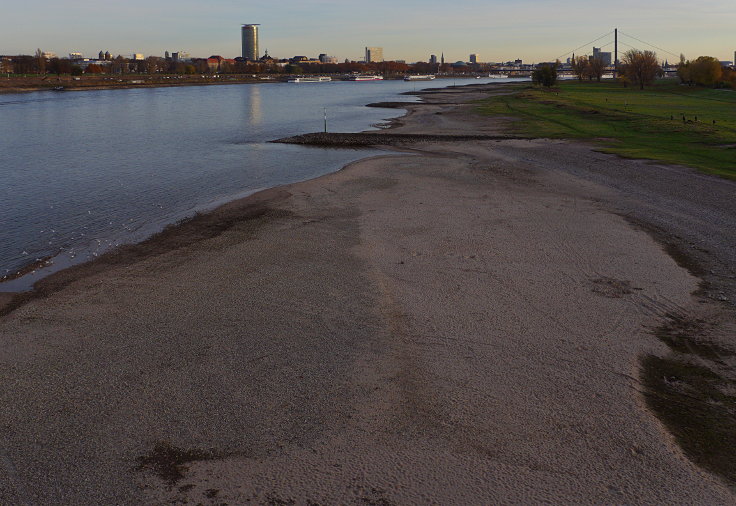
x: 545, y: 74
x: 704, y: 71
x: 640, y: 67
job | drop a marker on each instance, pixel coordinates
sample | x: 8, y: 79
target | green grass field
x: 630, y: 122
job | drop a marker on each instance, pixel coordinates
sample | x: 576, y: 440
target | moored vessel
x: 419, y: 78
x: 362, y: 77
x: 310, y: 79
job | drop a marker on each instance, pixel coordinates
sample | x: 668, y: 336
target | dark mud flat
x: 401, y: 105
x: 380, y: 139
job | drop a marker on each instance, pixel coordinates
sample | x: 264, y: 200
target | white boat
x: 498, y: 76
x: 365, y: 78
x: 310, y: 80
x: 419, y: 78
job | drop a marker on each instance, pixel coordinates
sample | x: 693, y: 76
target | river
x: 85, y: 171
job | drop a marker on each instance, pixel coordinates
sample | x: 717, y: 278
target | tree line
x: 37, y: 64
x: 641, y: 68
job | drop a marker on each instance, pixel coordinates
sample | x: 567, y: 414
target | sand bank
x: 455, y: 326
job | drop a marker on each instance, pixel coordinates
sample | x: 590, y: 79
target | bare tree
x: 683, y: 70
x: 596, y: 67
x: 40, y: 61
x: 640, y: 67
x: 580, y: 66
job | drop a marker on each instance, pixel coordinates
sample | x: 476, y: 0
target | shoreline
x: 69, y: 86
x: 10, y: 300
x: 349, y: 338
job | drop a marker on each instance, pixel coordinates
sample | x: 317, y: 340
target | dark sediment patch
x: 612, y: 288
x: 687, y: 336
x: 255, y: 209
x: 698, y: 407
x: 404, y: 105
x: 169, y: 462
x: 366, y: 139
x: 692, y: 390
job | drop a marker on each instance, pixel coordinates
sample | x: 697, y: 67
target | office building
x: 181, y: 56
x: 433, y: 59
x: 250, y: 42
x: 474, y: 58
x: 373, y: 54
x: 324, y: 58
x: 605, y: 56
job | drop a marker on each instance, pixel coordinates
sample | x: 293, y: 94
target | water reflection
x: 253, y: 104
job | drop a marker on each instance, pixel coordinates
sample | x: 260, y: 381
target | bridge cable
x: 585, y: 45
x: 648, y: 44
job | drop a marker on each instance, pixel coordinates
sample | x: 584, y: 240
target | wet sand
x: 450, y: 324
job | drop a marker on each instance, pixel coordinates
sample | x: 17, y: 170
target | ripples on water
x: 84, y: 171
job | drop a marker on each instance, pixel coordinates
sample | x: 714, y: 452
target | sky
x: 411, y: 30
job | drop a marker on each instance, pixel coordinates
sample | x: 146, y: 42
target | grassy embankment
x: 630, y: 122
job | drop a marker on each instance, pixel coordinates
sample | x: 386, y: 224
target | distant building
x: 323, y: 58
x: 138, y: 57
x: 48, y: 55
x: 217, y: 62
x: 474, y: 58
x: 249, y: 37
x: 433, y: 59
x: 605, y: 56
x: 76, y: 56
x: 373, y: 54
x: 181, y: 56
x: 6, y: 64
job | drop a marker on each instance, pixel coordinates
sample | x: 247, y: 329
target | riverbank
x: 51, y: 82
x: 103, y: 82
x: 460, y: 325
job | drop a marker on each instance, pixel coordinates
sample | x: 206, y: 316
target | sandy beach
x: 461, y: 322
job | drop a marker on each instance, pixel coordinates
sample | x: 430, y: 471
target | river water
x: 84, y: 171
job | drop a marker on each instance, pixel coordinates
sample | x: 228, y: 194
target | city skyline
x: 499, y: 31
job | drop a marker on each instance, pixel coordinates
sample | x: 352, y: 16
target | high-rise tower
x: 373, y: 54
x: 250, y: 42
